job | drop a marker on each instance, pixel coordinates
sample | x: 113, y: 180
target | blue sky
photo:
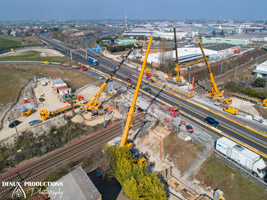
x: 135, y: 9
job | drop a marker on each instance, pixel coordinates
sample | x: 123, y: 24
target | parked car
x: 41, y: 99
x: 14, y: 123
x: 212, y: 121
x: 128, y: 80
x: 33, y: 122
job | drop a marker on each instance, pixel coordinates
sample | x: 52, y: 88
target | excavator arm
x: 131, y: 111
x: 92, y: 105
x: 178, y: 78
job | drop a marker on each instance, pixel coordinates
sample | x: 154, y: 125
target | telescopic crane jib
x: 214, y: 91
x: 178, y: 78
x: 93, y: 105
x: 131, y: 110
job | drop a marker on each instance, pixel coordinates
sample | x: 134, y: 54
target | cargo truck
x: 92, y: 60
x: 242, y: 156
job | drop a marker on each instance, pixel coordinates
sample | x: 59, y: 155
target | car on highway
x: 147, y: 89
x: 33, y: 122
x: 14, y: 123
x: 128, y: 80
x: 212, y: 121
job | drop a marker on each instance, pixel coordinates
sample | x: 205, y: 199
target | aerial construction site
x: 109, y: 113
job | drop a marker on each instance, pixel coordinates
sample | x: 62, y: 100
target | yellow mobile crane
x: 215, y: 93
x: 131, y: 110
x: 178, y: 78
x: 93, y: 105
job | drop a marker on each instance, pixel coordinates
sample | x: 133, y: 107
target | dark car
x: 13, y: 124
x: 128, y: 80
x: 147, y: 89
x: 33, y: 122
x: 41, y: 99
x: 212, y: 121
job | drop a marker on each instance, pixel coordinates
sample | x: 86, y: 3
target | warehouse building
x: 74, y: 185
x: 261, y: 70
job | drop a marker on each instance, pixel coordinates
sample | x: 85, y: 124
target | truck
x: 174, y: 111
x: 248, y: 159
x: 92, y: 60
x: 231, y: 110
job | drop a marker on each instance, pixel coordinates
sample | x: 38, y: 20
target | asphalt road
x: 254, y: 139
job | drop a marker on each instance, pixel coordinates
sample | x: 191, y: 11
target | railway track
x: 72, y: 152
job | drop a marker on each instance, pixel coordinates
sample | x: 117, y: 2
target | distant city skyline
x: 137, y: 9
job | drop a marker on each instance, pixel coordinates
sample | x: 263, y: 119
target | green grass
x: 235, y: 186
x: 11, y: 82
x: 4, y: 42
x: 34, y: 56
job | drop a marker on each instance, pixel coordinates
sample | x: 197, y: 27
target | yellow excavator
x: 124, y: 141
x: 93, y: 105
x: 215, y: 93
x: 178, y: 78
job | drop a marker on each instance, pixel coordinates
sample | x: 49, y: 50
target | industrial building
x: 225, y: 40
x: 75, y: 185
x: 261, y: 70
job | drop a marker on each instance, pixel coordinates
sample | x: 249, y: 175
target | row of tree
x: 134, y: 178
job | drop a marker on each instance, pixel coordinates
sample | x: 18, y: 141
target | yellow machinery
x: 214, y: 90
x: 131, y: 110
x: 264, y: 103
x: 46, y: 62
x: 178, y: 78
x: 27, y: 112
x: 45, y: 114
x: 231, y: 110
x: 92, y: 105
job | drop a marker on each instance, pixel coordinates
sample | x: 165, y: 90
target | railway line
x: 35, y: 171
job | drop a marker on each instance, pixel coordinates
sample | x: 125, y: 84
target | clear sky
x: 135, y: 9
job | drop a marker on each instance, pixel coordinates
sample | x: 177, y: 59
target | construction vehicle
x: 264, y: 103
x: 27, y: 112
x: 46, y: 62
x: 174, y: 111
x: 124, y: 141
x: 215, y: 93
x: 45, y: 114
x: 178, y: 78
x: 188, y: 127
x: 231, y: 110
x: 93, y: 105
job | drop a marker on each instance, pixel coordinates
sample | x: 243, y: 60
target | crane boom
x: 178, y: 78
x: 215, y: 91
x: 131, y: 111
x: 92, y: 105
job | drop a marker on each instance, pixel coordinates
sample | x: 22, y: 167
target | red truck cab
x: 174, y: 111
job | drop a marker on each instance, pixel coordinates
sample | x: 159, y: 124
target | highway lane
x: 231, y: 128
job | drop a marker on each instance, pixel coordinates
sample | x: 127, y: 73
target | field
x: 182, y: 153
x: 13, y: 77
x: 11, y: 82
x: 35, y: 56
x: 6, y: 42
x: 216, y: 174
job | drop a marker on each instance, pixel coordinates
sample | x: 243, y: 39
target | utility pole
x: 86, y: 54
x: 221, y: 68
x: 236, y: 70
x: 122, y: 121
x: 14, y: 124
x: 189, y: 81
x: 206, y: 84
x: 70, y: 55
x: 104, y: 117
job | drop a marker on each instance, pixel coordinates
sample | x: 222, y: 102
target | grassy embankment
x: 235, y: 186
